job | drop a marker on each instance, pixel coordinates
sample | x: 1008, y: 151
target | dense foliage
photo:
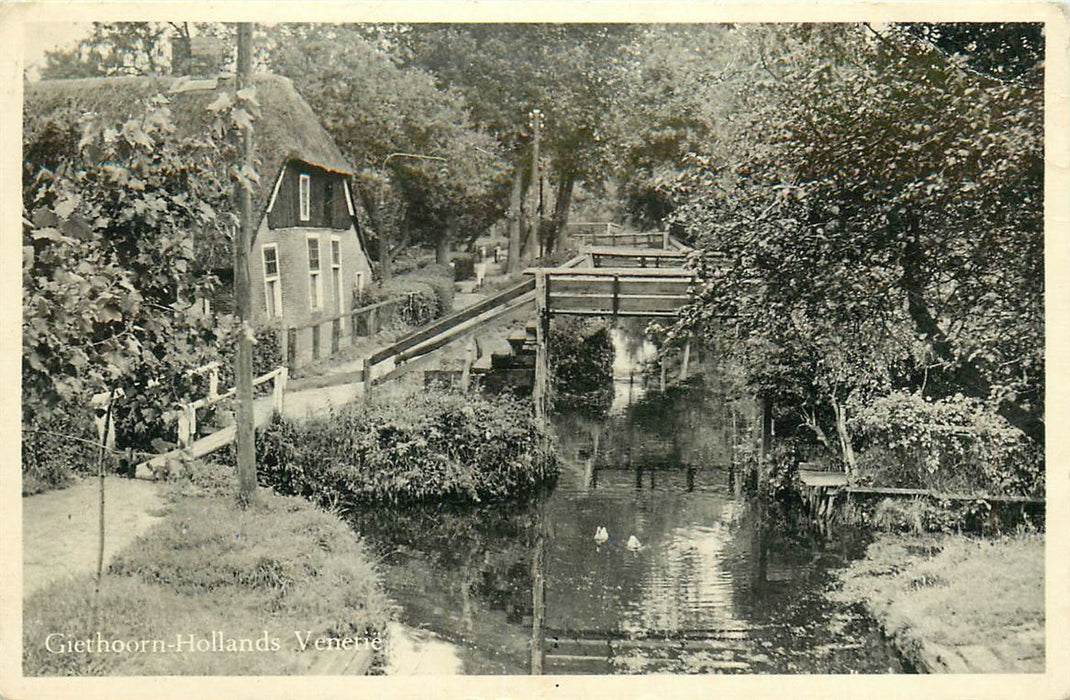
x: 424, y: 447
x: 582, y: 363
x: 883, y: 232
x: 951, y: 445
x: 111, y: 288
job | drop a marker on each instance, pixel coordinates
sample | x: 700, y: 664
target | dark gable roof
x: 286, y: 130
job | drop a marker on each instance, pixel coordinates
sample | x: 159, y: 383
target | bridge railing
x: 434, y: 335
x: 616, y: 291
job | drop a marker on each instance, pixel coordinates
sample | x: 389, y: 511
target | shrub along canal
x: 689, y: 579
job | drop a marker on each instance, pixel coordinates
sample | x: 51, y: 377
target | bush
x: 464, y: 266
x: 428, y: 294
x: 50, y: 457
x: 421, y: 448
x: 952, y: 444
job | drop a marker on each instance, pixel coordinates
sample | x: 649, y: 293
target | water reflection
x: 712, y: 589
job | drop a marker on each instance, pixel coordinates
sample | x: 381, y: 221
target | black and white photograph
x: 546, y: 350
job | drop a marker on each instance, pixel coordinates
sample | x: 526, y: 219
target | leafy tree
x: 112, y: 48
x: 109, y: 277
x: 886, y: 230
x: 573, y: 73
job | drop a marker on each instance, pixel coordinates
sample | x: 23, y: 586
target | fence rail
x: 364, y: 322
x: 187, y: 419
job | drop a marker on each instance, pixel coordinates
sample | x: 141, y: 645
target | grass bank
x: 953, y: 603
x: 213, y: 590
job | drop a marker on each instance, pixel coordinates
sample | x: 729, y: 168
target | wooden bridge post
x: 213, y: 382
x: 187, y: 425
x: 466, y: 370
x: 291, y: 348
x: 542, y: 367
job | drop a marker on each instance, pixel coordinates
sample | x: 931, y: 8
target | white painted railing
x: 187, y: 419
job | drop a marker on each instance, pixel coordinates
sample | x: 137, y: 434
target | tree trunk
x: 845, y: 440
x: 512, y: 263
x: 371, y: 205
x: 561, y: 209
x: 442, y: 245
x: 914, y: 281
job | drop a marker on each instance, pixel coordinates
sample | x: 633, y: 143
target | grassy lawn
x: 254, y: 583
x: 954, y: 591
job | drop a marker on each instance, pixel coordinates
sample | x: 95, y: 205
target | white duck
x: 634, y: 544
x: 601, y: 535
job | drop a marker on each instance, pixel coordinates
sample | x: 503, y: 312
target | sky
x: 41, y: 37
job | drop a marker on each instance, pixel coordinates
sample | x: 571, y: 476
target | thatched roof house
x: 286, y: 130
x: 308, y: 253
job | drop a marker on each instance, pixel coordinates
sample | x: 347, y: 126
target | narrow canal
x: 689, y: 580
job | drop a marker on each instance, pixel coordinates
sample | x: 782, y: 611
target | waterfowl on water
x: 601, y: 535
x: 634, y: 544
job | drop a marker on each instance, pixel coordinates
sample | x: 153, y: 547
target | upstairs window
x: 305, y: 196
x: 315, y: 278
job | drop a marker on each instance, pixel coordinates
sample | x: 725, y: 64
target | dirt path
x: 59, y: 528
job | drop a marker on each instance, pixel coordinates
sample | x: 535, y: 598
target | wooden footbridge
x: 613, y: 281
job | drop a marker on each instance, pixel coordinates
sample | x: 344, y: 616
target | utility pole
x: 243, y: 363
x: 535, y: 121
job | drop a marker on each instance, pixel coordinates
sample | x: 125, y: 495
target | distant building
x: 308, y: 255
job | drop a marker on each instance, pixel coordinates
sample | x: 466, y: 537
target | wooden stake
x: 542, y: 357
x: 100, y: 470
x: 243, y: 364
x: 538, y: 603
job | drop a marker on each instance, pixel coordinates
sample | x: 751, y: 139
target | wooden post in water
x: 542, y: 355
x: 538, y: 601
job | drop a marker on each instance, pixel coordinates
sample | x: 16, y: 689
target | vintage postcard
x: 534, y: 350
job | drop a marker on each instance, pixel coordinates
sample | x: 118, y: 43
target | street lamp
x: 384, y: 236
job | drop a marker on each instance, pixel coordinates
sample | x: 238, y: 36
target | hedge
x: 423, y: 447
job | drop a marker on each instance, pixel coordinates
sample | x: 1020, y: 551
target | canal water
x: 691, y: 579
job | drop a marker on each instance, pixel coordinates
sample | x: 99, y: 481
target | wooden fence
x: 327, y: 333
x: 187, y: 420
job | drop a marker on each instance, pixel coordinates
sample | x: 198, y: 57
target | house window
x: 272, y: 285
x: 336, y: 274
x: 315, y: 280
x: 305, y: 195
